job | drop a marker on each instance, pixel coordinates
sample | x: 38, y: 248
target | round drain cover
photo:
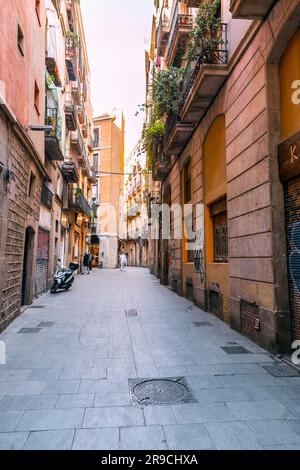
x: 160, y: 391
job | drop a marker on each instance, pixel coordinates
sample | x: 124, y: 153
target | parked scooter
x: 64, y: 278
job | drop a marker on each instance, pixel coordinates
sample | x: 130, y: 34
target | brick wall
x: 21, y: 211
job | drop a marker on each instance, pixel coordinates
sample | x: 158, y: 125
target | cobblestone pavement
x: 65, y: 386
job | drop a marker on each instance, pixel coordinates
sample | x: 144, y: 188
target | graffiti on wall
x: 294, y: 258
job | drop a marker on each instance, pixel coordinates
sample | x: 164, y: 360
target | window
x: 31, y: 189
x: 96, y: 162
x: 59, y: 187
x: 56, y: 225
x: 220, y: 227
x: 38, y: 10
x: 36, y: 98
x: 21, y: 41
x: 187, y: 182
x: 96, y: 137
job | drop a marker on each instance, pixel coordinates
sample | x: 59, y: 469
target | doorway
x: 26, y: 294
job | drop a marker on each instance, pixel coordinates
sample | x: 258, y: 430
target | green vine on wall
x: 205, y: 37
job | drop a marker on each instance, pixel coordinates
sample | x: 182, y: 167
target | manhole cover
x: 164, y: 391
x: 235, y: 350
x: 131, y: 312
x: 37, y: 306
x: 198, y: 324
x: 46, y: 324
x: 30, y: 330
x: 282, y: 370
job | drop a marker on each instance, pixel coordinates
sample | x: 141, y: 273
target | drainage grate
x: 231, y: 342
x: 46, y: 324
x: 198, y: 324
x: 235, y: 350
x: 131, y: 312
x: 281, y: 370
x: 30, y: 330
x: 36, y: 306
x: 164, y: 391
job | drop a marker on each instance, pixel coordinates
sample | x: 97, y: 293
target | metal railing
x: 80, y: 202
x: 53, y: 119
x: 177, y: 20
x: 218, y: 55
x: 47, y: 197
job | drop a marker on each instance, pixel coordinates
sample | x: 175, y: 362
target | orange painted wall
x: 289, y: 71
x: 215, y: 188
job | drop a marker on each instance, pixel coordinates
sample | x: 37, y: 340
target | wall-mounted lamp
x: 36, y: 128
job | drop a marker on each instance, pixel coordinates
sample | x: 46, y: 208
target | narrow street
x: 65, y: 385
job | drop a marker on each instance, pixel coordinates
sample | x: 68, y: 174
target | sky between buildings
x: 117, y: 34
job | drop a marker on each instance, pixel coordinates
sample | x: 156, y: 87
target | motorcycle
x: 64, y: 278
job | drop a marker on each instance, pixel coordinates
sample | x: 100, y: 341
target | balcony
x: 80, y: 204
x: 77, y: 142
x: 92, y: 177
x: 84, y: 129
x: 192, y: 3
x: 161, y: 167
x: 76, y: 91
x: 250, y: 9
x: 46, y: 197
x: 70, y: 6
x: 90, y: 142
x: 51, y: 56
x: 177, y: 134
x: 71, y: 58
x: 134, y: 210
x: 85, y: 165
x: 162, y: 34
x: 53, y: 137
x: 203, y: 79
x: 69, y: 170
x: 181, y: 26
x: 81, y: 113
x: 70, y: 112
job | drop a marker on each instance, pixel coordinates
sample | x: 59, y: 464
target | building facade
x: 22, y: 170
x: 136, y: 211
x: 109, y: 134
x: 232, y: 149
x: 46, y: 146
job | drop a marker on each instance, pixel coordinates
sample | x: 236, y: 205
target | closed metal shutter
x: 42, y: 260
x: 292, y: 207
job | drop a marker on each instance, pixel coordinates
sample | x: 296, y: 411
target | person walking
x: 86, y: 264
x: 123, y: 261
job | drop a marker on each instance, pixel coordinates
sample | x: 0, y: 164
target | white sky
x: 116, y: 31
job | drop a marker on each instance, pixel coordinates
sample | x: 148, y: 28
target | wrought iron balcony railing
x: 162, y: 35
x: 216, y: 56
x: 80, y: 203
x: 69, y: 169
x: 47, y: 197
x: 70, y: 112
x: 181, y: 25
x: 53, y: 137
x: 71, y: 58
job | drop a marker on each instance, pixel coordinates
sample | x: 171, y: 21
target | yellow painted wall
x: 215, y: 188
x: 289, y: 71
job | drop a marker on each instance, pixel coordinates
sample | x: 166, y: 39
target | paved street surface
x: 66, y: 385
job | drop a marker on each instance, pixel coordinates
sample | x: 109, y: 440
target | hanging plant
x: 153, y: 138
x: 73, y: 39
x: 168, y: 91
x: 205, y: 38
